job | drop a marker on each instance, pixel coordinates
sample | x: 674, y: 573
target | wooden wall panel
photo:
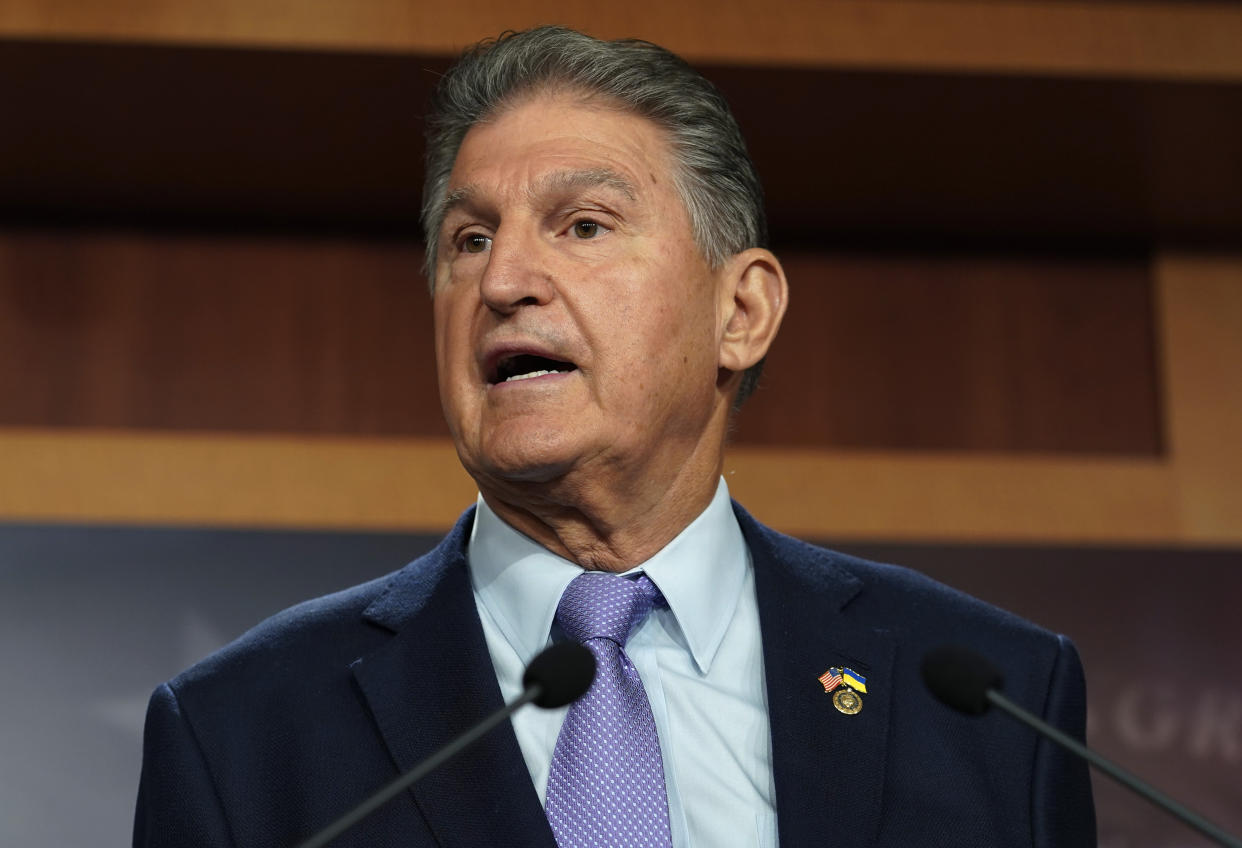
x: 212, y: 138
x: 1200, y: 304
x: 1016, y: 122
x: 1173, y: 39
x: 138, y: 477
x: 234, y: 139
x: 215, y: 333
x: 334, y: 336
x: 962, y: 352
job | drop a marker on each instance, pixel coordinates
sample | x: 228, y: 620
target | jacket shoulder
x: 292, y: 649
x: 894, y: 596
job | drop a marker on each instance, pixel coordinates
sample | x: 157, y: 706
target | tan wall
x: 1165, y: 39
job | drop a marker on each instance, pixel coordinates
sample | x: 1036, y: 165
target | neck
x: 607, y: 527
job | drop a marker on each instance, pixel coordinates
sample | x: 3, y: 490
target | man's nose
x: 517, y: 273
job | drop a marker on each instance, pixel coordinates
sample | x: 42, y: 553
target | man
x: 603, y: 301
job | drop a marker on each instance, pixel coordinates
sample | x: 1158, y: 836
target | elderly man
x: 603, y: 301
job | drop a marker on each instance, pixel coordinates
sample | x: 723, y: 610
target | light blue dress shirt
x: 700, y: 661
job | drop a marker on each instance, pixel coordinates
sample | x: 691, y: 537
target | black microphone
x: 560, y: 675
x: 970, y: 684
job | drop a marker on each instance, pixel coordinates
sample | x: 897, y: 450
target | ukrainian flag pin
x: 846, y: 686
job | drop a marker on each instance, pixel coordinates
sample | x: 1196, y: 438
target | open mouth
x: 527, y: 366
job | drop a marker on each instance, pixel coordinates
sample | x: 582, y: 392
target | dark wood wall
x: 1011, y: 242
x: 332, y: 335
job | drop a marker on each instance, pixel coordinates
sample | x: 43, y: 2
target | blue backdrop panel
x: 93, y: 618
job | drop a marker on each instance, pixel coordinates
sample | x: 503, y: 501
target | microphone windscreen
x: 563, y: 672
x: 960, y: 678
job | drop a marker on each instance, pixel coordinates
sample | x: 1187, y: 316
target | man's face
x: 577, y: 323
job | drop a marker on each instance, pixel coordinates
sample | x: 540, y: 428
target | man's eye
x: 475, y: 244
x: 586, y: 229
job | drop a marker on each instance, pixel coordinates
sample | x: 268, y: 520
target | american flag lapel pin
x: 846, y: 687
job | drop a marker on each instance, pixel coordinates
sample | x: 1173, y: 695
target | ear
x: 753, y: 298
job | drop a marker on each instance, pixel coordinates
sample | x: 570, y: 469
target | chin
x: 526, y: 461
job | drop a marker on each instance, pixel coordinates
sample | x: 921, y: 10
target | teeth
x: 529, y: 375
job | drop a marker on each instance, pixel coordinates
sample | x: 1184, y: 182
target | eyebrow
x: 555, y: 182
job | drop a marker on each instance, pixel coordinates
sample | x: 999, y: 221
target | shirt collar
x: 700, y: 573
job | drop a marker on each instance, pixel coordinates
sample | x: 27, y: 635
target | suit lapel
x: 432, y: 681
x: 828, y: 765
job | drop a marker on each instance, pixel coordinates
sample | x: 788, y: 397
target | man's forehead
x: 570, y: 180
x: 558, y: 182
x: 567, y: 123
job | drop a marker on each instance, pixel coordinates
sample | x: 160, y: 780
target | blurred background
x: 1013, y: 232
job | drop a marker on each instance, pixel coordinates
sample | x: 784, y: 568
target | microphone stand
x: 559, y: 675
x: 1114, y: 771
x: 404, y: 781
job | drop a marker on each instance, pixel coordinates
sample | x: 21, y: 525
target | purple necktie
x: 606, y: 785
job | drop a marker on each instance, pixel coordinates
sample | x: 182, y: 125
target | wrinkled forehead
x: 561, y: 147
x: 565, y: 181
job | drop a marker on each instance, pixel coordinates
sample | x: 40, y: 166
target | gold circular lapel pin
x: 847, y: 701
x: 846, y: 687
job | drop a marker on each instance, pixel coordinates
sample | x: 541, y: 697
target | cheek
x: 451, y: 350
x: 671, y: 349
x: 441, y: 339
x: 687, y: 324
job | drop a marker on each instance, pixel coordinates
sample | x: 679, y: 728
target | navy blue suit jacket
x: 282, y: 731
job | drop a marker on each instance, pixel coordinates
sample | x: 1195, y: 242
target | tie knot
x: 606, y: 606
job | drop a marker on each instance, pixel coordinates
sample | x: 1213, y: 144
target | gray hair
x: 713, y: 172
